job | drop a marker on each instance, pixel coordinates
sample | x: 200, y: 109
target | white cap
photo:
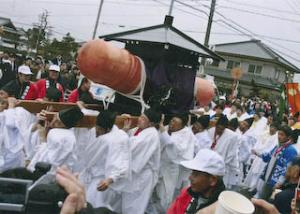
x: 24, y: 69
x: 207, y: 161
x: 54, y: 68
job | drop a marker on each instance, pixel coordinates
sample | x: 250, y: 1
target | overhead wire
x: 250, y: 33
x: 239, y: 3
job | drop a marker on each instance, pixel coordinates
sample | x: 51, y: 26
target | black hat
x: 70, y: 117
x: 52, y: 93
x: 249, y: 121
x: 204, y: 121
x: 106, y: 119
x: 234, y: 123
x: 184, y: 117
x: 153, y: 115
x: 223, y: 121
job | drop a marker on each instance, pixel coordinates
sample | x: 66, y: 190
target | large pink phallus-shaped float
x: 116, y: 68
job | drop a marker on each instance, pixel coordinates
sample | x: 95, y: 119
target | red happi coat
x: 42, y: 86
x: 30, y: 92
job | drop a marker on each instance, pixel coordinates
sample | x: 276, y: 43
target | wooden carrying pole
x: 87, y: 121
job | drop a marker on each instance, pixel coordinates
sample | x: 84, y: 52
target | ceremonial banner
x: 293, y: 96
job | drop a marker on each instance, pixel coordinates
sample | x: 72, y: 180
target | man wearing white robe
x: 260, y: 124
x: 14, y: 126
x: 199, y: 129
x: 247, y: 143
x: 84, y: 137
x: 145, y: 155
x: 225, y: 142
x: 60, y: 142
x: 241, y: 113
x: 231, y: 114
x: 177, y: 144
x: 252, y: 180
x: 106, y: 164
x: 36, y: 131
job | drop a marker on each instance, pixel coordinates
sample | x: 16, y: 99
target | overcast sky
x: 275, y: 22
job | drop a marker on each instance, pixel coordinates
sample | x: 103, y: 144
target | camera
x: 38, y: 193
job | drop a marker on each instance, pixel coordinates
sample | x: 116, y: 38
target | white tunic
x: 203, y: 141
x: 107, y: 157
x: 259, y: 127
x: 227, y: 147
x: 34, y: 142
x: 177, y: 147
x: 243, y: 117
x: 14, y: 128
x: 258, y: 164
x: 58, y: 150
x: 247, y: 143
x: 145, y: 151
x: 84, y: 137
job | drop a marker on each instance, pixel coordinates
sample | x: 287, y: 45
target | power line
x: 187, y: 5
x: 261, y: 7
x: 249, y: 34
x: 261, y: 14
x: 256, y: 35
x: 91, y: 4
x: 179, y: 9
x: 291, y: 6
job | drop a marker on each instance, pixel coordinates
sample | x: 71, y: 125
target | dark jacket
x: 283, y: 199
x: 7, y: 73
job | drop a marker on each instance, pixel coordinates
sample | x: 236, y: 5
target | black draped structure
x: 171, y: 59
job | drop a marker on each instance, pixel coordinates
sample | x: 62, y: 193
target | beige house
x: 263, y: 69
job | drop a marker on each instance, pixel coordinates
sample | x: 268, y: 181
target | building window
x: 232, y: 64
x: 255, y: 69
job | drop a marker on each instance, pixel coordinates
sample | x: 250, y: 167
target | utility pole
x: 171, y: 7
x: 210, y: 20
x: 98, y: 17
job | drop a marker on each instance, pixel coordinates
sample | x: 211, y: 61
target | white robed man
x: 36, y: 131
x: 241, y: 113
x: 177, y: 144
x: 231, y: 114
x: 60, y: 141
x: 260, y: 123
x: 252, y: 180
x: 247, y: 142
x: 106, y: 164
x: 145, y: 155
x: 225, y: 142
x: 14, y: 124
x: 199, y: 129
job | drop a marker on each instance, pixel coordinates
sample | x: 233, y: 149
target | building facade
x: 263, y: 70
x: 9, y: 35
